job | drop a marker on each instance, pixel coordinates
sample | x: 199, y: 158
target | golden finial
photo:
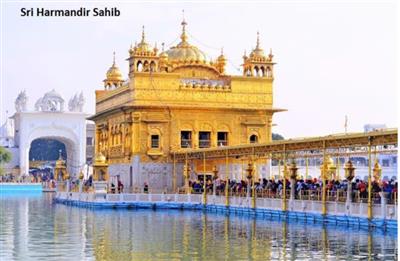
x: 155, y: 47
x: 162, y: 47
x: 222, y: 50
x: 270, y: 55
x: 143, y: 36
x: 183, y: 16
x: 258, y: 40
x: 183, y: 35
x: 114, y: 58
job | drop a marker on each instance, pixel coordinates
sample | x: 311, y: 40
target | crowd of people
x: 303, y: 188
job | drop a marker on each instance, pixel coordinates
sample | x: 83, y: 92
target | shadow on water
x: 34, y: 224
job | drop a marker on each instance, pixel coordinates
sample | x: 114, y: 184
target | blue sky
x: 333, y: 59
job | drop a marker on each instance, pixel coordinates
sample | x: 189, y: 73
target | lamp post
x: 327, y: 168
x: 215, y: 177
x: 250, y: 170
x: 377, y: 172
x: 349, y: 170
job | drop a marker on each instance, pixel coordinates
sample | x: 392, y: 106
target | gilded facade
x: 179, y: 99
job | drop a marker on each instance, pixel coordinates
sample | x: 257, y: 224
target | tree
x: 5, y: 157
x: 276, y: 136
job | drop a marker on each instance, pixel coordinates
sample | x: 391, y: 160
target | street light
x: 377, y: 170
x: 349, y: 171
x: 250, y: 170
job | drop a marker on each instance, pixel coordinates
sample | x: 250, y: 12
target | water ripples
x: 34, y: 228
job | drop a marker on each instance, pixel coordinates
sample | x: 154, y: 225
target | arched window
x: 146, y: 66
x: 253, y: 138
x: 256, y: 71
x: 139, y: 66
x: 152, y: 66
x: 262, y: 71
x: 269, y: 72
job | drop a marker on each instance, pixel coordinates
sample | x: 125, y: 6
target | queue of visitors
x: 309, y: 187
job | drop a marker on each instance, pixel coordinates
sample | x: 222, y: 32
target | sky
x: 334, y: 58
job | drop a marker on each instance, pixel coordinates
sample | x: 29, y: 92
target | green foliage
x: 276, y: 136
x: 5, y: 157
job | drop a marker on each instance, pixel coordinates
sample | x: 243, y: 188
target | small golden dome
x: 258, y: 52
x: 114, y: 73
x: 164, y: 55
x: 221, y: 58
x: 100, y: 158
x: 143, y: 46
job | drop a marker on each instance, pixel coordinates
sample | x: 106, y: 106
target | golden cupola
x: 257, y: 63
x: 143, y: 48
x: 114, y: 77
x: 221, y: 62
x: 143, y: 57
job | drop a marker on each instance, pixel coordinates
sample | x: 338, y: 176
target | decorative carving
x: 76, y: 103
x: 50, y: 102
x: 21, y: 101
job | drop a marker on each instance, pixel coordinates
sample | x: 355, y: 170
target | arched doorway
x: 50, y: 120
x: 43, y: 154
x: 51, y: 126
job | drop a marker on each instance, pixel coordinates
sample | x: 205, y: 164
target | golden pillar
x: 204, y: 180
x: 186, y: 175
x: 285, y: 174
x: 226, y: 179
x: 174, y: 174
x: 306, y: 177
x: 215, y: 177
x: 369, y: 181
x: 100, y: 168
x: 323, y: 178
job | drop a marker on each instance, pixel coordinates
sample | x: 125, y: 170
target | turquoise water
x: 34, y: 228
x: 20, y: 187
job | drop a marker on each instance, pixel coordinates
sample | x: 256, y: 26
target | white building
x: 51, y: 120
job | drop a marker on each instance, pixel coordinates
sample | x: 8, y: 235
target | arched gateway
x: 50, y: 120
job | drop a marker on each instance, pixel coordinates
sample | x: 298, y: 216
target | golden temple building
x: 179, y: 99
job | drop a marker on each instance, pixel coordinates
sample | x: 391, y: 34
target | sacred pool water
x: 35, y: 228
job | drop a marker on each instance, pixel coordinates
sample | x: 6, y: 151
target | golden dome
x: 100, y: 158
x: 185, y: 52
x: 114, y: 73
x: 221, y: 58
x: 143, y: 48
